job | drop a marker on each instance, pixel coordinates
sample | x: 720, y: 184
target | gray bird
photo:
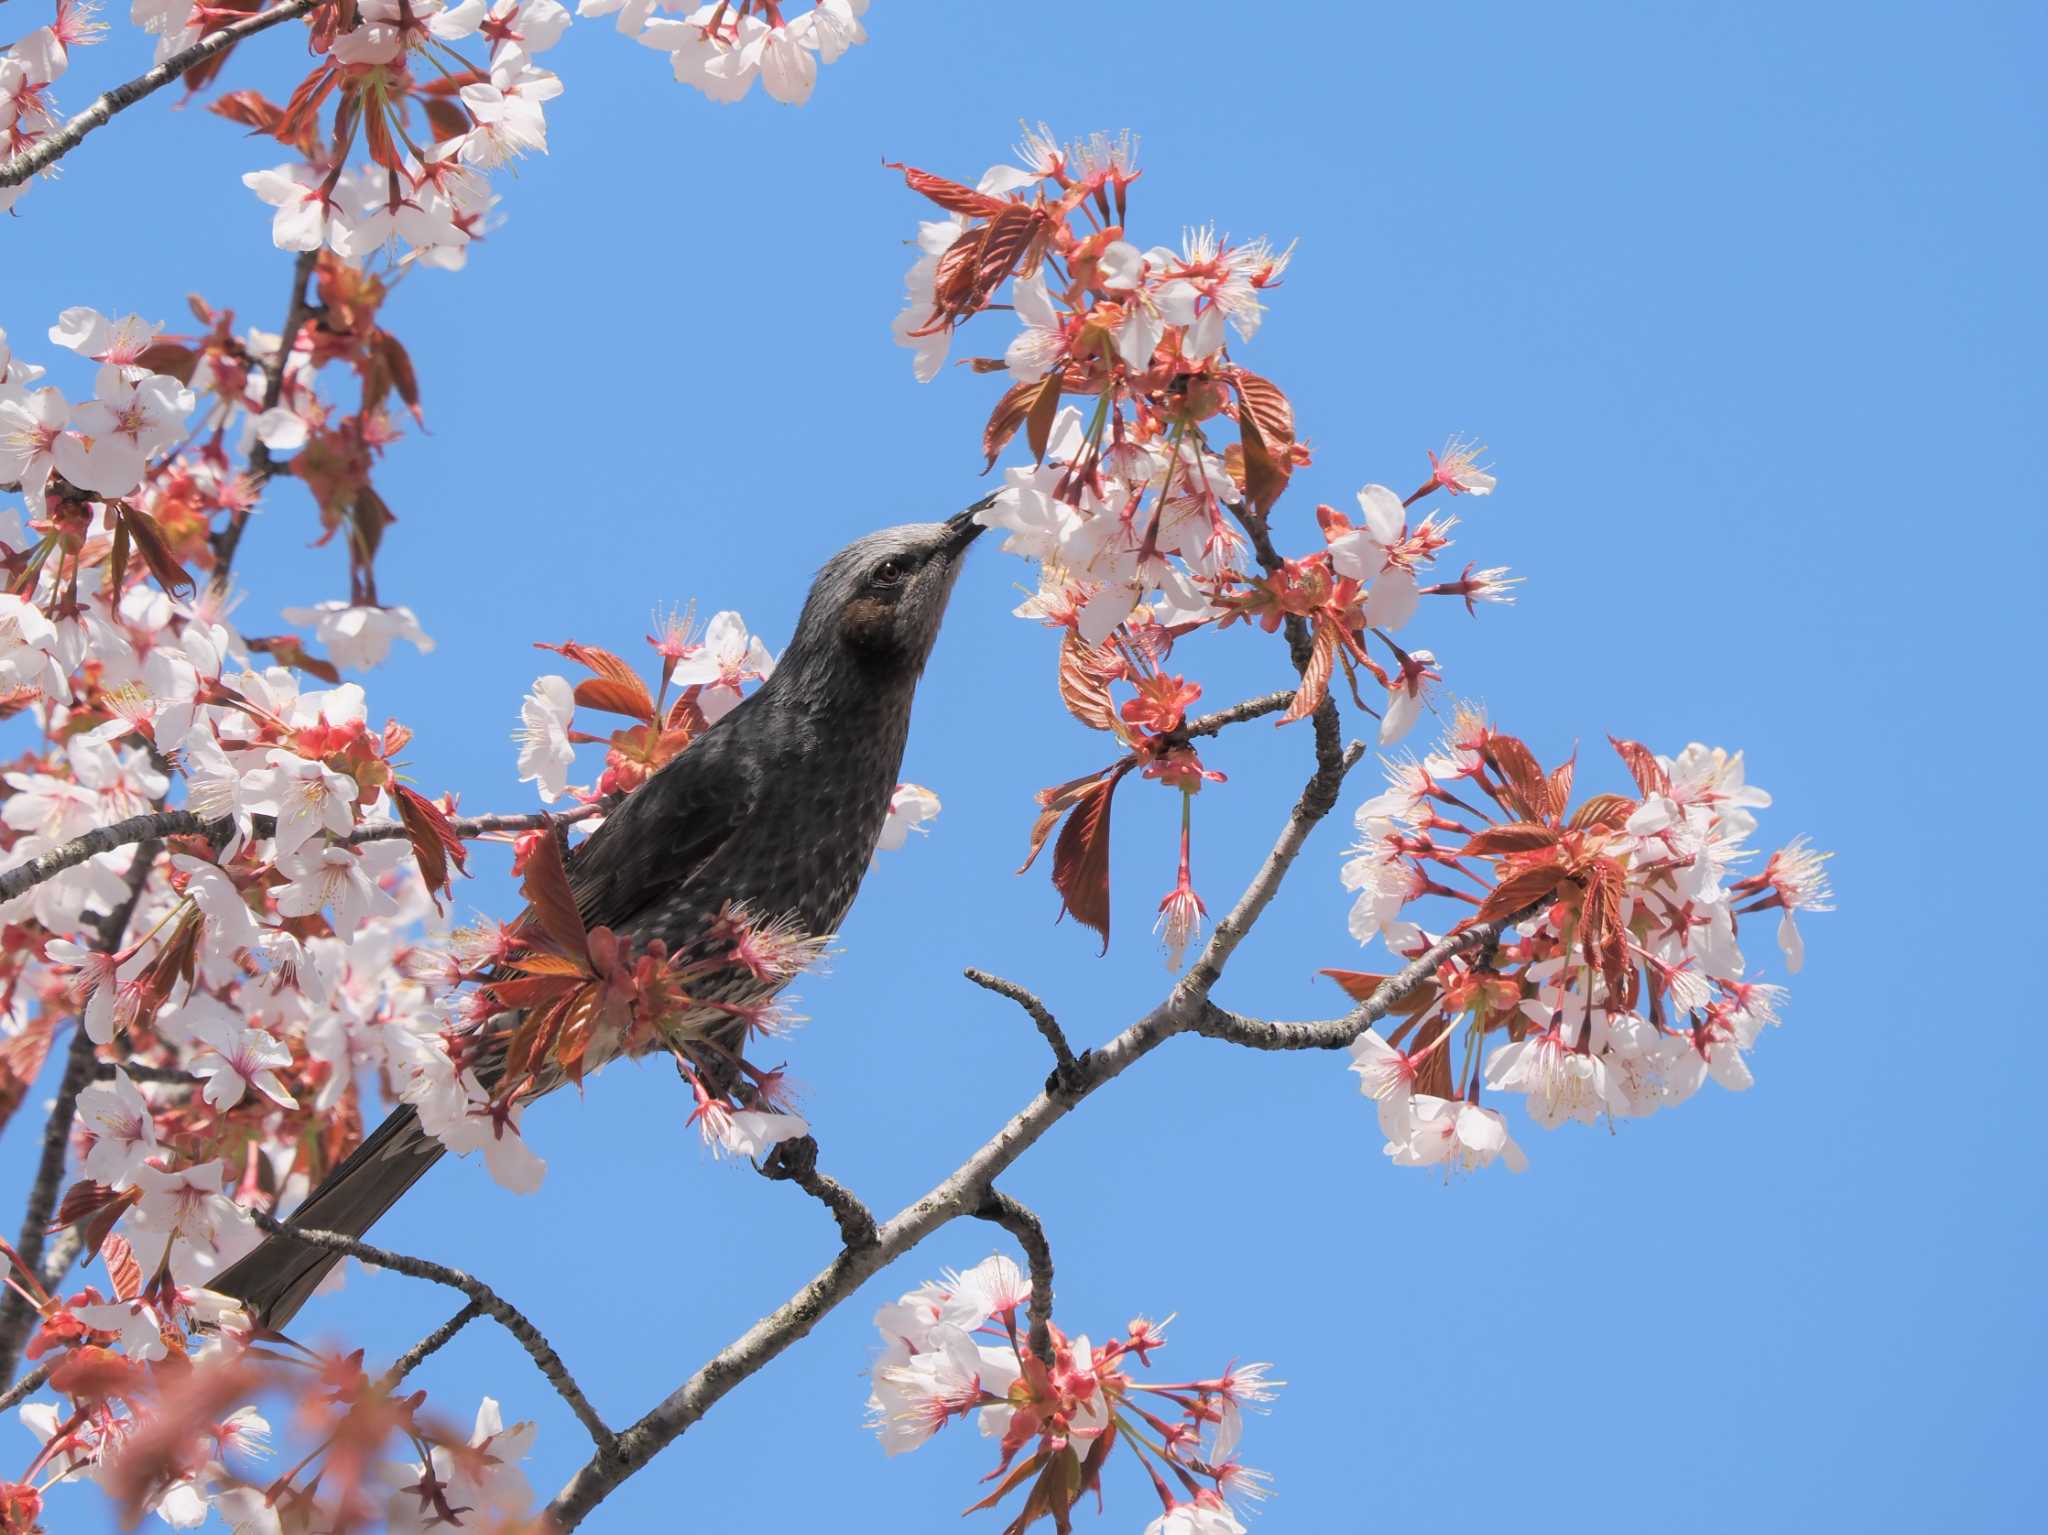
x: 775, y: 808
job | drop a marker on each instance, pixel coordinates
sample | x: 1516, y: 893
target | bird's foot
x: 1072, y: 1077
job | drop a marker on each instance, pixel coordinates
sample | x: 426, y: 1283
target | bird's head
x: 879, y: 600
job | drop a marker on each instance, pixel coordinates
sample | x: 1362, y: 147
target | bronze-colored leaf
x: 1080, y: 858
x: 1523, y: 888
x: 1004, y: 420
x: 1643, y: 766
x: 156, y: 554
x: 1315, y: 677
x: 950, y: 195
x: 1522, y: 777
x: 1269, y: 407
x: 1045, y: 406
x: 1514, y: 837
x: 1602, y: 810
x: 546, y: 888
x: 615, y: 695
x: 1084, y: 688
x: 434, y: 843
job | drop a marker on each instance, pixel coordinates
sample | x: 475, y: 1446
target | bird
x: 773, y: 810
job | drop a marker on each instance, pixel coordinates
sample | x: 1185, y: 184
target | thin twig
x: 29, y: 1384
x: 53, y: 147
x: 503, y: 1313
x: 796, y: 1161
x: 1016, y: 1217
x: 163, y: 1076
x: 261, y: 465
x: 176, y: 823
x: 1236, y: 714
x: 431, y: 1344
x: 1336, y: 1033
x: 1062, y: 1052
x: 1318, y: 798
x: 101, y: 839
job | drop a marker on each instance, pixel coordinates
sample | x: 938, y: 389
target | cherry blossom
x: 113, y: 435
x: 122, y: 1127
x: 912, y: 808
x: 545, y: 752
x: 727, y: 659
x: 236, y: 1059
x: 358, y: 637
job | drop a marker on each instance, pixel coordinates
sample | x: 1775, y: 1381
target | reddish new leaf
x: 1052, y: 804
x: 1262, y: 400
x: 434, y: 842
x: 1560, y: 785
x: 290, y: 650
x: 1038, y: 424
x: 1084, y: 688
x: 1315, y: 677
x: 1523, y: 888
x: 448, y: 120
x: 1527, y: 788
x: 168, y: 357
x: 1514, y: 837
x: 1080, y: 859
x: 950, y: 195
x: 1004, y: 420
x: 1265, y: 473
x: 124, y: 1270
x: 393, y: 370
x: 547, y: 892
x: 1643, y: 766
x: 615, y: 696
x: 156, y: 554
x: 1359, y: 985
x: 1602, y: 810
x: 252, y: 109
x: 304, y: 106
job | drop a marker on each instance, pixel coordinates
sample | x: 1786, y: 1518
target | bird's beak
x: 962, y: 529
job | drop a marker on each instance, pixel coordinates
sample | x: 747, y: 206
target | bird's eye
x: 891, y: 572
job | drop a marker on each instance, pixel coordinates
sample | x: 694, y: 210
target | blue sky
x: 1745, y: 300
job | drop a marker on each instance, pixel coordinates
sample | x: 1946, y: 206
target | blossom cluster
x: 29, y: 66
x: 181, y: 1437
x: 958, y: 1347
x: 433, y: 122
x: 1621, y: 986
x: 722, y: 48
x: 241, y: 985
x: 1144, y: 526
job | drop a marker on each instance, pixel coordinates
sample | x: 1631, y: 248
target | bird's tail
x: 273, y: 1281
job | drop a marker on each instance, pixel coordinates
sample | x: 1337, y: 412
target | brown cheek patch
x: 868, y: 621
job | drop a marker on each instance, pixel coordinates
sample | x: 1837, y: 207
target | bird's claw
x: 1071, y: 1077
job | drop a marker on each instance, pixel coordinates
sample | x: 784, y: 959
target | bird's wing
x: 661, y: 835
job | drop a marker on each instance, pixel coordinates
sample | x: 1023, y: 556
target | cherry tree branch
x: 1236, y: 714
x: 431, y: 1344
x: 150, y: 826
x: 157, y: 824
x: 796, y: 1161
x: 1049, y: 1026
x: 1017, y: 1218
x: 1318, y: 798
x: 29, y: 1384
x: 480, y: 1294
x: 53, y: 147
